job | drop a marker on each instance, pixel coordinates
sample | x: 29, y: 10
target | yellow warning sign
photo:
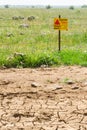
x: 60, y: 24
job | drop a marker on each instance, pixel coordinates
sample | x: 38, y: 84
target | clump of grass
x: 73, y: 57
x: 69, y: 57
x: 31, y: 60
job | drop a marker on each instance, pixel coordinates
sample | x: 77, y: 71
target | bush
x: 71, y: 7
x: 48, y: 7
x: 6, y: 6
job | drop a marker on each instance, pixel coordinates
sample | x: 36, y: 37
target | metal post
x: 59, y: 38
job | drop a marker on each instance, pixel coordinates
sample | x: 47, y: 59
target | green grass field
x: 38, y: 44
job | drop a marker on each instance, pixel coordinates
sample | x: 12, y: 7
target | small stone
x: 4, y: 82
x: 54, y: 87
x: 10, y: 35
x: 75, y: 87
x: 35, y: 85
x: 70, y: 82
x: 44, y: 66
x: 18, y: 54
x: 30, y: 18
x: 58, y: 87
x: 85, y: 84
x: 23, y: 26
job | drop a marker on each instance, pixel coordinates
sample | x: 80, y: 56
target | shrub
x: 48, y: 7
x: 71, y: 7
x: 6, y: 6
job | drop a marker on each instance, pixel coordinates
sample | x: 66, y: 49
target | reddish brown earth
x: 43, y: 98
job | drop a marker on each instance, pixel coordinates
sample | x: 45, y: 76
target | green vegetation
x: 48, y: 7
x: 6, y: 6
x: 71, y: 7
x: 36, y: 45
x: 84, y: 6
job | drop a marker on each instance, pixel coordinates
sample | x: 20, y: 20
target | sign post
x: 59, y: 43
x: 60, y: 24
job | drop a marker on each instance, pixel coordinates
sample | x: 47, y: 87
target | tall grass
x: 65, y: 57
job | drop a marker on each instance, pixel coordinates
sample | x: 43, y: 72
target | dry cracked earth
x: 43, y: 98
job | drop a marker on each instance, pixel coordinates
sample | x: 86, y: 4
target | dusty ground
x: 43, y: 99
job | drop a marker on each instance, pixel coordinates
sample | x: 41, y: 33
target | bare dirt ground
x: 43, y: 98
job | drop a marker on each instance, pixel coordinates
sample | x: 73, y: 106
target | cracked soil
x: 43, y: 98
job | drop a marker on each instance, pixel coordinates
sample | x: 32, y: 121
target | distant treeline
x: 84, y: 6
x: 39, y: 6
